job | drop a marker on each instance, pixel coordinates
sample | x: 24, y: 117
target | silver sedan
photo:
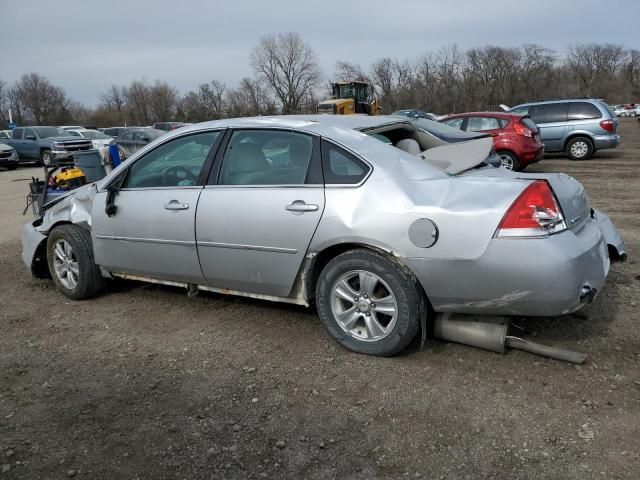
x: 366, y: 217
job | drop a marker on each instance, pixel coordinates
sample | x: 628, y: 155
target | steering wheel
x: 176, y: 174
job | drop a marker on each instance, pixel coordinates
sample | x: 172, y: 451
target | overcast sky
x: 86, y: 45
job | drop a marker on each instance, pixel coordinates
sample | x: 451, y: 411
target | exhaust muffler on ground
x: 492, y: 333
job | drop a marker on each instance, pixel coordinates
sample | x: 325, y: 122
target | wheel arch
x: 321, y: 258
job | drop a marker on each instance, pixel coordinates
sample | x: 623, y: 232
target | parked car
x: 46, y: 144
x: 577, y: 127
x: 72, y: 127
x: 5, y: 135
x: 515, y: 137
x: 98, y: 139
x: 413, y: 113
x: 114, y: 132
x: 8, y: 157
x: 442, y: 134
x: 133, y: 139
x: 168, y: 126
x: 312, y: 210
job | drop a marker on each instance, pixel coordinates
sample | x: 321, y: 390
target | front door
x: 152, y: 232
x: 255, y: 221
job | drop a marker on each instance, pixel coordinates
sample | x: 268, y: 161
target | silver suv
x: 578, y: 127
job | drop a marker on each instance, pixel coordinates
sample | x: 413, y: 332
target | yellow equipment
x: 350, y: 97
x: 70, y: 178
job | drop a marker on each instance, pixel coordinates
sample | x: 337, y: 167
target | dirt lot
x: 146, y: 383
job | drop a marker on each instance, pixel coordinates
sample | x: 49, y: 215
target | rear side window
x: 583, y: 111
x: 341, y: 167
x: 549, y: 112
x: 478, y: 124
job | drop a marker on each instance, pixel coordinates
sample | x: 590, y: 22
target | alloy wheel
x: 364, y: 306
x: 506, y: 162
x: 65, y: 264
x: 579, y: 149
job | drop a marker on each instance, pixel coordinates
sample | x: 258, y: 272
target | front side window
x: 127, y: 136
x: 17, y: 133
x: 266, y: 157
x: 177, y: 163
x: 455, y: 123
x: 478, y: 124
x: 341, y: 167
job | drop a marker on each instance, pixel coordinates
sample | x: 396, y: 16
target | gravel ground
x: 143, y: 382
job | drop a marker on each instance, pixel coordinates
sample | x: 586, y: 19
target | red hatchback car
x: 516, y: 138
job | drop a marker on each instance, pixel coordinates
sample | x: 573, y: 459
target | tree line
x: 287, y: 79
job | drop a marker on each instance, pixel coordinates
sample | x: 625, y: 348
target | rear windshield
x: 530, y: 124
x: 435, y: 128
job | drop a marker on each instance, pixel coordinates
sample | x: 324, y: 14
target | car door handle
x: 301, y: 206
x: 174, y: 205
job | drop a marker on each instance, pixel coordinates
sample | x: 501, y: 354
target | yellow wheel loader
x: 349, y: 98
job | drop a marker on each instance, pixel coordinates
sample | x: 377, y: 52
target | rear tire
x: 71, y: 263
x: 579, y: 148
x: 509, y: 160
x: 346, y: 294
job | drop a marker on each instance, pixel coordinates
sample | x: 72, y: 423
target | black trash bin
x: 90, y: 162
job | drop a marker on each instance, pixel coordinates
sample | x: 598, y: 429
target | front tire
x: 71, y: 263
x: 368, y: 303
x: 46, y: 158
x: 509, y: 160
x: 579, y: 148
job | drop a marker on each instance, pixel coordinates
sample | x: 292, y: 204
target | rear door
x: 257, y: 216
x: 551, y: 119
x: 17, y: 142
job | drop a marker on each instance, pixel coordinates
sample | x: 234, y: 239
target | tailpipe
x: 492, y: 333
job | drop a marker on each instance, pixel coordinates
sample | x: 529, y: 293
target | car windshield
x: 94, y: 135
x: 48, y: 132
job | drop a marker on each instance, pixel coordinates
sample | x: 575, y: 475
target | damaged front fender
x: 74, y: 208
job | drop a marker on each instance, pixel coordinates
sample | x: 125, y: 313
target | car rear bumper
x: 606, y: 141
x: 549, y: 276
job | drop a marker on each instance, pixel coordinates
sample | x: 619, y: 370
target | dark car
x: 414, y: 113
x: 168, y: 126
x: 516, y: 137
x: 114, y: 132
x: 445, y: 133
x: 133, y: 139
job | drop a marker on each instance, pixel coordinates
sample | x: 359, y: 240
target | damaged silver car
x: 364, y: 216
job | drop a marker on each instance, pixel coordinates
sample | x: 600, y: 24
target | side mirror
x: 30, y: 137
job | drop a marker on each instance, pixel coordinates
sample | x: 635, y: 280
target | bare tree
x: 114, y: 101
x: 37, y: 100
x: 163, y: 100
x: 288, y: 66
x: 138, y: 102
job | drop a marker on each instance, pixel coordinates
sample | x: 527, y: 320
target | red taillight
x: 534, y: 213
x: 522, y: 130
x: 608, y: 125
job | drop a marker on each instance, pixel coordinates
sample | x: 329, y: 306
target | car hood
x: 66, y: 139
x: 5, y: 148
